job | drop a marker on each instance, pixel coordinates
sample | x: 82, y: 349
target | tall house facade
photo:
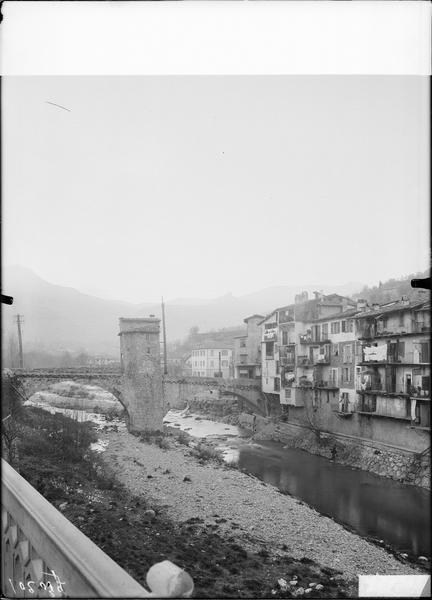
x: 212, y: 362
x: 292, y: 345
x: 393, y: 371
x: 319, y: 327
x: 247, y: 350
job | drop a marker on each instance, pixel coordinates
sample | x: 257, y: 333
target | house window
x: 284, y: 338
x: 334, y: 377
x: 276, y: 384
x: 344, y: 402
x: 350, y: 325
x: 347, y: 353
x: 335, y: 327
x: 401, y: 319
x: 324, y: 331
x: 346, y: 374
x: 212, y: 363
x: 424, y: 352
x: 269, y: 349
x: 343, y: 325
x: 335, y: 349
x: 224, y: 363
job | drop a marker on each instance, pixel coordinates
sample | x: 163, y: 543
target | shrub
x: 207, y: 453
x: 183, y: 438
x: 163, y: 443
x: 111, y: 414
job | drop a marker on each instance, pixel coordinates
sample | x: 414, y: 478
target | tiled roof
x: 395, y: 306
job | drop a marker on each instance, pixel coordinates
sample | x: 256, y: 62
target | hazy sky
x: 196, y: 186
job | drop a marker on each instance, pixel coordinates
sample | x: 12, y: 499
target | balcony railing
x: 420, y: 327
x: 44, y: 555
x: 304, y: 361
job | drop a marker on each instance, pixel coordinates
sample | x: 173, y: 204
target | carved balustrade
x: 46, y: 556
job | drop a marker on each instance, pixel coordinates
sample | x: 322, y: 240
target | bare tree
x: 12, y: 408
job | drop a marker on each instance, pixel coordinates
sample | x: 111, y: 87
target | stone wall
x: 214, y: 407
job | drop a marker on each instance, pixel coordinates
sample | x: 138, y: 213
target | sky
x: 197, y: 186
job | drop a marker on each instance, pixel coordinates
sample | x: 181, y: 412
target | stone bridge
x: 176, y: 390
x: 139, y: 385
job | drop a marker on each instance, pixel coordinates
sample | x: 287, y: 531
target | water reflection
x: 371, y: 505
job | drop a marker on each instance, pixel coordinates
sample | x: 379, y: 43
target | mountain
x: 58, y: 318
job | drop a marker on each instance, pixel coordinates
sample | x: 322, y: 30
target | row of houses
x: 358, y: 358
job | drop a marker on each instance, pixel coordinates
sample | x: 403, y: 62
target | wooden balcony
x: 45, y: 556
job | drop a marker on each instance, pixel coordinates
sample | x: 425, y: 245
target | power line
x: 19, y: 321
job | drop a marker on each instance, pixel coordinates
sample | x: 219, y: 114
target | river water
x: 372, y: 506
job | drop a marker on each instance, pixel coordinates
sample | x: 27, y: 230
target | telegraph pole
x: 164, y: 339
x: 19, y: 320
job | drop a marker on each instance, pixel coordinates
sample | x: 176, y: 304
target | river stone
x: 319, y: 587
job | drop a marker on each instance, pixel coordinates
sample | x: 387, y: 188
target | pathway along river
x: 372, y: 506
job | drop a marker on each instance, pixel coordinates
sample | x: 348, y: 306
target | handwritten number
x: 10, y: 581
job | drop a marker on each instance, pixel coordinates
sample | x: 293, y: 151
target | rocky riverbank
x: 256, y: 516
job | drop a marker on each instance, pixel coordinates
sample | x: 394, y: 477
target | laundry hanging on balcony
x: 413, y: 410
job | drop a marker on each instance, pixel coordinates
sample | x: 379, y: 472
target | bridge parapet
x: 68, y: 373
x: 245, y: 384
x: 39, y: 541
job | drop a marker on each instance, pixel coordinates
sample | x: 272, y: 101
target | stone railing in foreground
x: 44, y: 555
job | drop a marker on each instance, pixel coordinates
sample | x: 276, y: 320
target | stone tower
x: 142, y: 388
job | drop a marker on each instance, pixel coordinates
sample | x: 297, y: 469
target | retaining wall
x: 392, y: 462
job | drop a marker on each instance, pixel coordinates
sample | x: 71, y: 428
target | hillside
x: 393, y: 289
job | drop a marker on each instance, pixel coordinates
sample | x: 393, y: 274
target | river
x: 372, y: 506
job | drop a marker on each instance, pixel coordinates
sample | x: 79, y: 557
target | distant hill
x: 393, y: 289
x: 58, y: 318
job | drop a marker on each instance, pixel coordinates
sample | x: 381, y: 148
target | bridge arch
x: 252, y: 404
x: 33, y: 382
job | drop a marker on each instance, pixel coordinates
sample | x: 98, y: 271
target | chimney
x: 404, y: 301
x: 361, y: 304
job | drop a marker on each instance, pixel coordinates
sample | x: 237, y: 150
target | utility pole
x: 164, y: 339
x: 19, y: 320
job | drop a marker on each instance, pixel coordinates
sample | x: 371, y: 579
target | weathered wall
x: 142, y: 379
x: 213, y: 406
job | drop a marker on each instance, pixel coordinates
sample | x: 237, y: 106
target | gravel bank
x: 256, y: 514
